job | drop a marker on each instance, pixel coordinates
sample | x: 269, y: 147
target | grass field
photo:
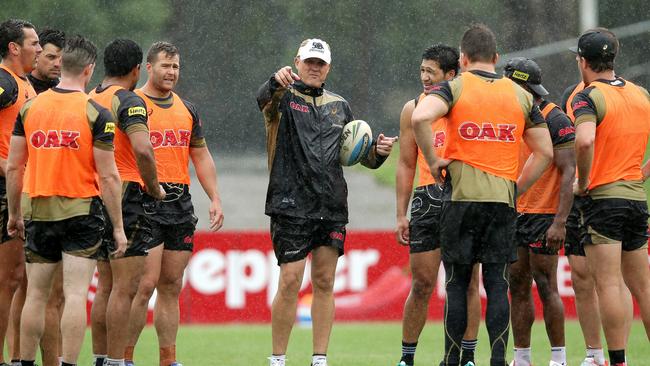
x: 352, y: 344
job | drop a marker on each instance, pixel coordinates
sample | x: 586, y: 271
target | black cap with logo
x: 597, y: 45
x: 526, y: 71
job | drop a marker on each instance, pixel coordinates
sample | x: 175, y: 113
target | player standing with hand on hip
x: 478, y: 214
x: 439, y: 63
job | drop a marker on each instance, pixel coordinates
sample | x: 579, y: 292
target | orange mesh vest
x: 60, y: 147
x: 544, y: 196
x: 124, y: 158
x: 439, y: 131
x: 621, y: 136
x: 8, y: 115
x: 170, y: 130
x: 486, y: 125
x: 568, y: 107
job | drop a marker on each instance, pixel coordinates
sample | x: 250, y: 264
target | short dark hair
x: 168, y: 48
x: 12, y: 31
x: 52, y: 36
x: 601, y: 64
x: 78, y: 53
x: 445, y: 56
x: 479, y: 43
x: 121, y: 56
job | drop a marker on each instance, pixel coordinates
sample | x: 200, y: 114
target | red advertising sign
x: 233, y: 276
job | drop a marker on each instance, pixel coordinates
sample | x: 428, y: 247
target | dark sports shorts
x: 4, y: 211
x: 172, y: 220
x: 576, y: 233
x: 482, y: 232
x: 137, y: 226
x: 531, y: 232
x: 294, y: 238
x: 80, y: 236
x: 425, y: 219
x: 616, y: 219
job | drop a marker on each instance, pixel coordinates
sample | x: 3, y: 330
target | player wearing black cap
x: 612, y: 130
x: 543, y: 212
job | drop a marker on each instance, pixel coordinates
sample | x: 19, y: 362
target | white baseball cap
x: 315, y: 48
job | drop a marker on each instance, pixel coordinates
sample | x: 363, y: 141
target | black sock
x: 408, y: 352
x: 26, y: 363
x: 68, y: 364
x: 468, y: 346
x: 458, y: 277
x: 497, y: 313
x: 99, y: 361
x: 616, y: 357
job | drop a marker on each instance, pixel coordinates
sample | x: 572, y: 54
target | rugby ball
x: 356, y: 142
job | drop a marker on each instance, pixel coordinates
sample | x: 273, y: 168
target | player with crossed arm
x: 477, y: 222
x: 439, y: 62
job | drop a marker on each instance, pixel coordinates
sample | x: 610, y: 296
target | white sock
x: 280, y: 359
x: 114, y: 362
x: 558, y: 354
x: 316, y: 358
x: 522, y: 356
x: 597, y: 354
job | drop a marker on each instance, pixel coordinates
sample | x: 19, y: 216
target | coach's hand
x: 16, y: 227
x: 120, y: 243
x: 385, y: 144
x: 285, y: 76
x: 216, y: 215
x: 402, y: 231
x: 555, y: 235
x: 436, y: 170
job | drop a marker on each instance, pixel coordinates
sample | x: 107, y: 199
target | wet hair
x: 121, y: 56
x: 479, y: 43
x: 12, y: 31
x: 156, y: 48
x: 52, y: 36
x: 78, y: 53
x: 606, y: 63
x: 445, y: 56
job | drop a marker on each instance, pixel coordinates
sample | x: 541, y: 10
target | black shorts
x: 616, y: 219
x: 576, y: 233
x: 137, y: 226
x: 179, y: 237
x: 294, y: 238
x: 4, y: 211
x: 531, y: 232
x: 425, y: 219
x: 482, y: 232
x: 172, y: 220
x: 80, y: 236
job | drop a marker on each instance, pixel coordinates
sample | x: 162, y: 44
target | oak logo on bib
x: 54, y: 139
x: 487, y: 132
x: 170, y: 138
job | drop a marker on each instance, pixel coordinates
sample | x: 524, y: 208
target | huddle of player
x: 63, y: 149
x: 509, y: 179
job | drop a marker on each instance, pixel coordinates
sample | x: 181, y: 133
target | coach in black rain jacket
x: 303, y: 130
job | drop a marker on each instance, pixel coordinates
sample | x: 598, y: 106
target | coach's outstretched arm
x: 270, y: 93
x: 207, y: 174
x: 539, y: 142
x: 111, y: 189
x: 429, y: 110
x: 15, y: 173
